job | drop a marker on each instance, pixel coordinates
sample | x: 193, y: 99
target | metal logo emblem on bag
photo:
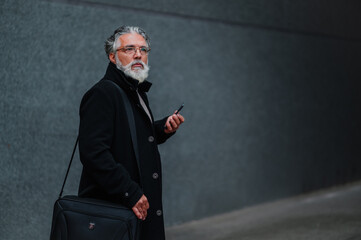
x: 91, y: 226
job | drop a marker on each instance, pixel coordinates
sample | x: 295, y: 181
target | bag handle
x: 133, y: 133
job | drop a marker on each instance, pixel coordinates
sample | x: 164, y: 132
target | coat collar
x: 125, y: 82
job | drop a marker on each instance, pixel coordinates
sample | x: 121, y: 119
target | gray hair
x: 110, y: 45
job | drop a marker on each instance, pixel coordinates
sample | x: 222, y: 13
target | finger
x: 145, y: 204
x: 176, y: 119
x: 137, y: 213
x: 167, y: 131
x: 140, y: 210
x: 181, y: 118
x: 144, y: 214
x: 144, y: 207
x: 169, y: 126
x: 173, y: 123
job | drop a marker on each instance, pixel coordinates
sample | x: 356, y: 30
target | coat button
x: 155, y: 175
x: 126, y: 194
x: 151, y: 139
x: 159, y: 213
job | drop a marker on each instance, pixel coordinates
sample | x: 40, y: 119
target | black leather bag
x: 76, y: 218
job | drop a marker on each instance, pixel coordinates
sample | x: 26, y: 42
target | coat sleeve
x: 97, y: 113
x: 160, y: 135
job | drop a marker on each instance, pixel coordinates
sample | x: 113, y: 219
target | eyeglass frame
x: 136, y: 49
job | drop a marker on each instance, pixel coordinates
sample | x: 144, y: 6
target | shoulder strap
x: 133, y: 133
x: 67, y: 171
x: 132, y: 128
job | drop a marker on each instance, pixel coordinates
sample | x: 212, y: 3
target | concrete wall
x: 271, y: 91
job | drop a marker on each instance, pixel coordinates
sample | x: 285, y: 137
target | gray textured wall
x: 271, y: 91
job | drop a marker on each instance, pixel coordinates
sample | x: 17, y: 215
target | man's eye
x: 129, y: 49
x: 143, y: 49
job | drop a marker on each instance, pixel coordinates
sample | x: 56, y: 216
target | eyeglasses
x: 131, y: 50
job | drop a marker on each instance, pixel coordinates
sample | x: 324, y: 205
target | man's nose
x: 137, y: 54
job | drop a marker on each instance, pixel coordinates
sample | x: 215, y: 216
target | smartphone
x: 180, y: 108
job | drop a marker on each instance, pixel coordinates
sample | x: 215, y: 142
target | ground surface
x: 332, y: 214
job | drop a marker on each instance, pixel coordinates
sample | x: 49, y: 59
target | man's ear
x: 112, y: 57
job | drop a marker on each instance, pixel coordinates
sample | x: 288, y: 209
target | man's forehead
x: 132, y: 39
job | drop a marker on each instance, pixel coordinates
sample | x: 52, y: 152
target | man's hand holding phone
x: 174, y: 121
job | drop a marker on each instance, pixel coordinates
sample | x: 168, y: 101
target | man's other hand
x: 173, y: 123
x: 141, y: 207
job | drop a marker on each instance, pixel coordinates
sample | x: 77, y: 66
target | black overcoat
x: 110, y: 170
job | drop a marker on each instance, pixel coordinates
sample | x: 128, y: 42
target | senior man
x: 110, y: 170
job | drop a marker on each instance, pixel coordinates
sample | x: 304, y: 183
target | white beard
x: 138, y: 74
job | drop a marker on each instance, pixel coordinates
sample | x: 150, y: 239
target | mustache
x: 135, y: 62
